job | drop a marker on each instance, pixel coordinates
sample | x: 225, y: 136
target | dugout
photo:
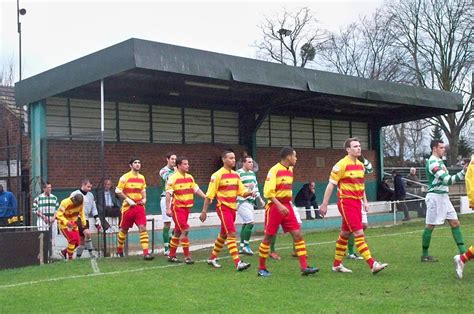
x: 159, y: 97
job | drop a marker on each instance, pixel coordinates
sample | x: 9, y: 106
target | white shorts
x: 297, y: 214
x: 246, y: 212
x: 166, y: 218
x: 364, y: 217
x: 438, y: 209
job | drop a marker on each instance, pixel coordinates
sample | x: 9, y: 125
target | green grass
x: 134, y: 285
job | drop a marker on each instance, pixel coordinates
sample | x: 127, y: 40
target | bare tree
x: 437, y: 35
x: 7, y: 74
x: 291, y: 38
x: 365, y: 49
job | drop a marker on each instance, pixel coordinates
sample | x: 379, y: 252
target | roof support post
x: 39, y: 162
x: 377, y: 145
x: 249, y: 123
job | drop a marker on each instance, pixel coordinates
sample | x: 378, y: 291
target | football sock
x: 341, y: 245
x: 120, y: 241
x: 174, y: 243
x: 426, y: 239
x: 248, y: 233
x: 350, y: 245
x: 300, y: 249
x: 144, y: 242
x: 80, y: 250
x: 458, y: 238
x: 242, y: 235
x: 468, y: 255
x: 166, y: 236
x: 272, y: 245
x: 232, y: 246
x: 88, y: 245
x: 363, y: 249
x: 218, y: 245
x: 70, y: 250
x: 263, y: 252
x: 185, y: 245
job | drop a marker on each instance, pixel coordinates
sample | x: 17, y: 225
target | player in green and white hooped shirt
x: 245, y: 207
x: 165, y: 173
x: 438, y: 205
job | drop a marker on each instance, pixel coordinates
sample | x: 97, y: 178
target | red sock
x: 174, y: 243
x: 468, y: 255
x: 145, y: 252
x: 264, y: 251
x: 185, y: 244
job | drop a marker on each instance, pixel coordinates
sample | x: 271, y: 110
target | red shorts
x: 227, y: 217
x: 134, y: 215
x: 273, y: 219
x: 72, y: 237
x: 351, y: 212
x: 180, y: 217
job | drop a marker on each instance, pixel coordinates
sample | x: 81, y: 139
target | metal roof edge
x: 87, y: 69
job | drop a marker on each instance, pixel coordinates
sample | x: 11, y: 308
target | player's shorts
x: 81, y: 228
x: 180, y: 217
x: 351, y: 212
x: 134, y: 215
x: 273, y: 219
x: 439, y: 208
x: 165, y: 217
x: 246, y: 212
x: 227, y: 217
x: 72, y: 237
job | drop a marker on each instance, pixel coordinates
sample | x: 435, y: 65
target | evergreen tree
x: 436, y: 133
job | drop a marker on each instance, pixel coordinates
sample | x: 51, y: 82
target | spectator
x: 45, y: 206
x: 413, y: 179
x: 112, y: 205
x: 8, y: 208
x: 385, y: 193
x: 400, y: 194
x: 306, y: 197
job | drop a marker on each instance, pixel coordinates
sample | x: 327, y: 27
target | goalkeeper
x: 90, y: 211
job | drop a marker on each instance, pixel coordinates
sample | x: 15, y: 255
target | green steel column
x: 38, y: 153
x: 377, y: 145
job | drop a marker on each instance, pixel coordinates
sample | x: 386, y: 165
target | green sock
x: 272, y: 245
x: 426, y: 238
x: 243, y: 234
x: 248, y: 233
x: 350, y: 244
x: 457, y: 235
x: 166, y: 236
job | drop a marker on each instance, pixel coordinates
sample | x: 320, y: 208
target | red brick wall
x: 70, y: 161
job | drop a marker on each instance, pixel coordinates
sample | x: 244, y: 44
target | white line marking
x: 119, y: 272
x: 95, y: 267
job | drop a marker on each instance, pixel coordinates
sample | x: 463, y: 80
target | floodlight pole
x: 283, y: 32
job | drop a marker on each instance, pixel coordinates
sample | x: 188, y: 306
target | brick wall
x: 69, y: 161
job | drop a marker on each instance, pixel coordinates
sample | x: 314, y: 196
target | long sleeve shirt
x: 8, y: 205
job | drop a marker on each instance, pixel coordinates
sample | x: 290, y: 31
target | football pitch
x: 133, y: 285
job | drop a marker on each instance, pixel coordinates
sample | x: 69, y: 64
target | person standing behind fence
x: 413, y: 180
x: 90, y: 211
x: 70, y: 210
x: 348, y: 174
x: 109, y: 205
x: 132, y: 189
x: 306, y: 197
x: 45, y: 206
x: 461, y: 259
x: 400, y: 194
x: 165, y: 173
x: 180, y: 191
x: 8, y: 208
x: 438, y: 205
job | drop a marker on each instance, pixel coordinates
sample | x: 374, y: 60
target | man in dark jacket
x: 306, y: 198
x: 400, y: 194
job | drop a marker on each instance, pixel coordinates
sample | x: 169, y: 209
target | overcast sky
x: 55, y: 32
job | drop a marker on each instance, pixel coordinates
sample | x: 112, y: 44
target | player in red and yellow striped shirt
x: 132, y: 189
x: 180, y: 190
x: 279, y: 211
x: 225, y: 185
x: 348, y: 175
x: 70, y: 210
